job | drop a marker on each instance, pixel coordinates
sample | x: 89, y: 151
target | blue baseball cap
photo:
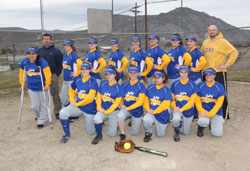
x: 137, y: 38
x: 184, y: 67
x: 153, y: 36
x: 68, y: 42
x: 175, y: 37
x: 32, y: 49
x: 94, y: 41
x: 133, y: 69
x: 159, y: 74
x: 113, y: 41
x: 191, y: 38
x: 210, y: 71
x: 110, y: 71
x: 86, y: 65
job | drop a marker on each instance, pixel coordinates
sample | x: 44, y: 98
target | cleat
x: 40, y: 126
x: 65, y: 138
x: 176, y: 136
x: 122, y: 137
x: 147, y: 137
x: 200, y: 131
x: 96, y: 139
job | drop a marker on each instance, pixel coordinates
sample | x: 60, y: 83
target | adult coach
x: 216, y: 49
x: 54, y: 58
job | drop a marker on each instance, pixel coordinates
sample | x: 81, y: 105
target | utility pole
x: 112, y: 15
x: 146, y: 26
x: 41, y: 11
x: 181, y: 15
x: 134, y: 9
x: 14, y: 52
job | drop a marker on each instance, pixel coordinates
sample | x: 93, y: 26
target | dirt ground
x: 39, y: 149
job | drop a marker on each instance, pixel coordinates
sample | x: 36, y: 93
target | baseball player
x: 184, y: 92
x: 179, y: 56
x: 82, y: 102
x: 34, y: 67
x: 139, y: 59
x: 109, y: 97
x: 198, y: 60
x: 157, y: 55
x: 157, y: 101
x: 117, y: 58
x: 96, y: 60
x: 209, y: 100
x: 134, y: 91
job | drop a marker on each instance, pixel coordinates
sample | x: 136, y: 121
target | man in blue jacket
x: 54, y: 58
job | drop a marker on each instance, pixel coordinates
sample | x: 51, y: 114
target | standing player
x: 117, y: 58
x: 96, y: 60
x: 179, y: 56
x: 138, y: 58
x: 82, y: 102
x: 198, y: 60
x: 54, y: 58
x: 34, y: 67
x: 157, y: 55
x: 184, y: 92
x: 134, y: 91
x: 109, y: 97
x: 209, y: 102
x: 157, y: 101
x: 216, y: 49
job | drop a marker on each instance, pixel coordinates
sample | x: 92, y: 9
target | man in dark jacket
x: 54, y: 58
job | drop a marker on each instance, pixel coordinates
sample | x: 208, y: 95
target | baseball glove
x: 125, y: 146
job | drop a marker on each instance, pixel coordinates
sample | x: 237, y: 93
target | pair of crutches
x: 21, y: 102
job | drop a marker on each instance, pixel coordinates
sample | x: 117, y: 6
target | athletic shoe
x: 122, y: 137
x: 147, y: 137
x: 65, y: 138
x: 96, y: 139
x: 176, y: 136
x: 40, y: 126
x: 73, y: 119
x: 57, y: 116
x: 200, y: 131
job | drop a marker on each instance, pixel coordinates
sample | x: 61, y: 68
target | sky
x: 72, y: 14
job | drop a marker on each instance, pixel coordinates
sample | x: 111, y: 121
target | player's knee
x: 175, y: 122
x: 120, y: 117
x: 202, y: 123
x: 63, y: 114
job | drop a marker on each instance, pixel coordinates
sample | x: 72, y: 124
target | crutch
x: 48, y: 106
x: 21, y: 102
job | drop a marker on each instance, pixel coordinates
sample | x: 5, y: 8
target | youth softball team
x: 145, y: 97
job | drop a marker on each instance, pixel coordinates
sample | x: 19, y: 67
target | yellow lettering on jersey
x: 207, y: 100
x: 134, y: 63
x: 130, y: 98
x: 31, y: 73
x: 171, y: 58
x: 112, y: 63
x: 107, y: 99
x: 65, y: 66
x: 81, y: 96
x: 155, y: 102
x: 181, y: 98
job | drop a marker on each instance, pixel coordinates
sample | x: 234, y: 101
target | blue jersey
x: 156, y: 97
x: 69, y: 63
x: 115, y: 60
x: 183, y: 93
x: 110, y: 93
x: 209, y: 95
x: 137, y: 59
x: 176, y: 56
x: 155, y: 54
x: 195, y: 54
x: 83, y: 89
x: 34, y: 82
x: 131, y: 96
x: 93, y: 57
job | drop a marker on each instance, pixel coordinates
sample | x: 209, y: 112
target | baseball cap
x: 175, y: 37
x: 68, y: 42
x: 210, y: 71
x: 94, y: 41
x: 110, y: 71
x: 32, y: 49
x: 133, y: 69
x: 184, y: 67
x: 153, y: 36
x: 159, y: 74
x: 136, y: 38
x: 113, y: 41
x: 191, y: 38
x: 86, y: 65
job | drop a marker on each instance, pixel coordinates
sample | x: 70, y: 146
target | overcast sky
x: 71, y: 14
